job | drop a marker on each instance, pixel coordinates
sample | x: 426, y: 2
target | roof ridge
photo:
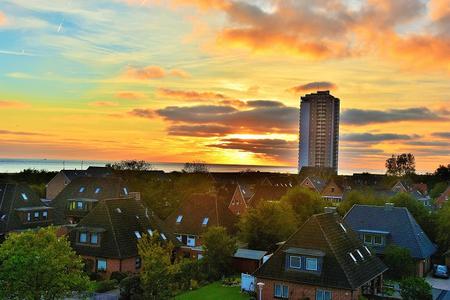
x: 416, y: 238
x: 334, y: 252
x: 112, y: 229
x: 11, y: 206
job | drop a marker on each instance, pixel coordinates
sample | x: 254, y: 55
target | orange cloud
x: 145, y: 73
x: 103, y: 104
x: 439, y: 9
x: 12, y: 104
x: 203, y: 4
x: 189, y: 95
x: 128, y: 95
x: 2, y: 19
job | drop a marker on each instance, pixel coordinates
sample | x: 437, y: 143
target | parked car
x: 440, y: 271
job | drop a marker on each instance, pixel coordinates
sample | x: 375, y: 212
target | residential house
x: 328, y: 190
x: 415, y: 190
x: 21, y: 209
x: 81, y: 195
x: 194, y: 216
x: 381, y: 226
x: 108, y: 235
x: 64, y: 177
x: 443, y: 198
x: 323, y: 259
x: 241, y: 196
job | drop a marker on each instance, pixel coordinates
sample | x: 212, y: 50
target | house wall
x: 56, y: 185
x: 241, y: 265
x: 127, y: 265
x: 298, y: 291
x: 332, y: 190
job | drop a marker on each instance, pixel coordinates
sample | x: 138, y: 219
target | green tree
x: 443, y: 227
x: 219, y: 248
x: 269, y: 223
x: 438, y: 189
x: 359, y: 197
x: 158, y: 270
x: 443, y: 172
x: 399, y: 261
x: 37, y: 265
x: 304, y: 203
x: 414, y: 288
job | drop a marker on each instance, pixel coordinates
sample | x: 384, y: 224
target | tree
x: 157, y: 269
x: 438, y: 189
x: 219, y: 248
x: 195, y: 167
x: 269, y: 223
x: 399, y: 261
x: 359, y: 197
x: 131, y: 165
x: 414, y: 288
x: 443, y: 172
x: 400, y: 165
x: 443, y: 227
x: 304, y: 202
x: 39, y: 265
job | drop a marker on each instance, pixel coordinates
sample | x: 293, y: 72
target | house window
x: 281, y: 291
x: 45, y: 215
x: 323, y: 295
x: 378, y: 240
x: 28, y: 217
x: 101, y: 265
x: 295, y: 262
x: 125, y: 191
x: 24, y: 196
x: 137, y: 234
x: 179, y: 219
x: 205, y: 221
x: 332, y: 189
x: 367, y: 239
x: 191, y: 241
x: 81, y: 190
x: 138, y: 263
x: 179, y: 237
x: 83, y: 237
x: 80, y: 205
x: 97, y: 190
x: 311, y: 264
x: 94, y: 238
x: 36, y: 215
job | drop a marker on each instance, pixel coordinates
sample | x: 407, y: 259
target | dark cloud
x: 199, y: 130
x: 429, y: 143
x: 264, y: 103
x: 142, y: 113
x: 371, y: 137
x: 273, y: 148
x: 444, y: 135
x: 313, y: 86
x: 257, y: 119
x: 361, y: 116
x: 190, y: 95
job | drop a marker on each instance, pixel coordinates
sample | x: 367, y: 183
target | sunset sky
x: 220, y: 80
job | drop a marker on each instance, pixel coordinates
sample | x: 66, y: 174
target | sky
x: 220, y: 80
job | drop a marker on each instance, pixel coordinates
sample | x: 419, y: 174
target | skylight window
x: 97, y: 190
x: 179, y: 219
x: 343, y: 228
x: 24, y: 196
x: 137, y: 234
x: 119, y: 210
x: 163, y: 236
x: 353, y: 257
x: 367, y: 249
x: 360, y: 254
x: 205, y: 221
x: 3, y: 217
x: 81, y: 190
x: 125, y: 191
x: 150, y: 232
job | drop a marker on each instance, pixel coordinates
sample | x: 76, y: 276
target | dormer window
x: 45, y: 215
x: 83, y: 237
x: 150, y: 232
x: 97, y: 190
x: 36, y: 215
x: 205, y: 221
x: 94, y: 238
x: 295, y: 262
x: 82, y: 189
x: 80, y: 205
x: 125, y: 191
x: 311, y: 264
x: 24, y: 196
x: 179, y: 219
x: 163, y: 236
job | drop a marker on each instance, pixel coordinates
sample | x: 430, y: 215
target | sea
x: 13, y: 165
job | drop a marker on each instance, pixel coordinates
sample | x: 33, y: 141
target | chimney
x: 388, y: 206
x: 330, y: 209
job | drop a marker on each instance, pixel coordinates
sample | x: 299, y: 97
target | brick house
x: 381, y: 226
x: 194, y: 216
x: 107, y: 236
x: 324, y: 259
x: 328, y: 190
x: 443, y: 198
x: 81, y: 195
x: 21, y: 208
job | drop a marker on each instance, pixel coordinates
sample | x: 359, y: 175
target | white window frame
x: 104, y: 264
x: 45, y: 215
x: 179, y: 237
x: 283, y: 291
x: 299, y: 260
x: 366, y: 235
x: 375, y: 238
x: 310, y: 260
x: 190, y: 241
x: 324, y: 295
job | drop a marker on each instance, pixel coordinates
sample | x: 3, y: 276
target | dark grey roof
x: 249, y: 254
x: 398, y: 221
x: 324, y: 233
x: 117, y: 220
x: 72, y: 174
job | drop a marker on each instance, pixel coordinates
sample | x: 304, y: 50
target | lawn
x: 214, y: 291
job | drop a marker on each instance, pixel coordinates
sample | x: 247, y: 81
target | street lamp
x: 260, y: 288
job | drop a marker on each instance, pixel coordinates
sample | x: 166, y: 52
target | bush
x: 399, y: 261
x: 130, y: 288
x: 118, y: 276
x: 194, y: 284
x: 231, y: 281
x: 106, y: 285
x: 413, y: 288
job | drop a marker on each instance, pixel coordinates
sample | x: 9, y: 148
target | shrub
x: 130, y: 288
x: 118, y: 276
x: 413, y: 288
x: 194, y: 284
x: 106, y: 285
